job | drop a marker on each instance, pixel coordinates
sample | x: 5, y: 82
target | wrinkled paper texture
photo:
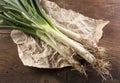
x: 36, y: 53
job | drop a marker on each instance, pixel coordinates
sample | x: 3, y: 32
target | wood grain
x: 13, y: 71
x: 5, y: 31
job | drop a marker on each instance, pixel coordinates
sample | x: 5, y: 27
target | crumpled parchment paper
x: 36, y: 53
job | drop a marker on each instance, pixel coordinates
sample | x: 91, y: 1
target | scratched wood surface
x: 13, y: 71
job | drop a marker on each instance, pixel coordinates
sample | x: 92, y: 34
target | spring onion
x: 28, y: 16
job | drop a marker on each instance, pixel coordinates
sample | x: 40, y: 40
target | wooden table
x: 13, y: 71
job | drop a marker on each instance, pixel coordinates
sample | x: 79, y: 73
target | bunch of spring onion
x: 29, y: 17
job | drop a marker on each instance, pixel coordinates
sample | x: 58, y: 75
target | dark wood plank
x: 88, y: 1
x: 5, y: 31
x: 13, y: 71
